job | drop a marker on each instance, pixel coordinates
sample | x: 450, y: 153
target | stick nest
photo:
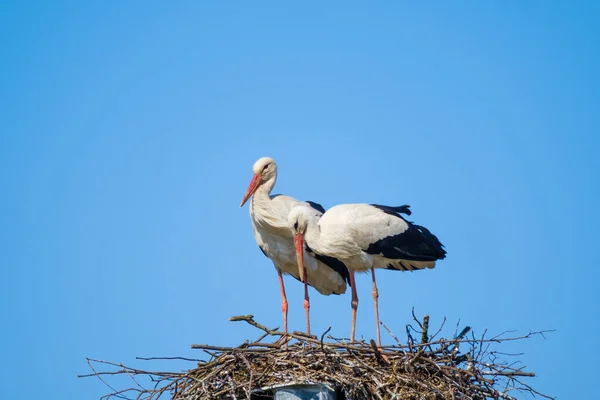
x: 464, y: 367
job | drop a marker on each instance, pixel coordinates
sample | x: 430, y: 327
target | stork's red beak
x: 299, y: 245
x: 254, y: 184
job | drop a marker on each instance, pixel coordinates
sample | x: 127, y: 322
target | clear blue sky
x: 129, y: 130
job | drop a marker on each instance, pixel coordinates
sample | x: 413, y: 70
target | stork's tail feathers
x: 437, y: 248
x: 408, y: 265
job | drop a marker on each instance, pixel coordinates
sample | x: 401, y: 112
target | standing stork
x: 268, y: 215
x: 365, y: 237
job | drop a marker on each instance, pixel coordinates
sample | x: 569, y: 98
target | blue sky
x: 129, y: 130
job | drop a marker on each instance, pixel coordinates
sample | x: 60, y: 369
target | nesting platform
x: 463, y: 367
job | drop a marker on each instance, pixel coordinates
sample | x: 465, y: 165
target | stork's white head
x: 299, y: 217
x: 264, y: 170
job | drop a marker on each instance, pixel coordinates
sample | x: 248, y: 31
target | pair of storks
x: 323, y: 249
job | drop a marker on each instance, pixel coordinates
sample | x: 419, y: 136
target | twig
x: 250, y: 319
x: 424, y: 328
x: 169, y: 358
x: 439, y: 329
x: 323, y: 337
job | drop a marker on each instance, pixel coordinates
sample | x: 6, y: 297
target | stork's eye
x: 296, y: 225
x: 265, y: 167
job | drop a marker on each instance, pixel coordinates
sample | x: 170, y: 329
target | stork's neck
x: 264, y: 191
x: 312, y: 236
x: 261, y: 202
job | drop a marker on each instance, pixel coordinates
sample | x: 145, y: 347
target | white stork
x: 365, y: 237
x: 268, y: 215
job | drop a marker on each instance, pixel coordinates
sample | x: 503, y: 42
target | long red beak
x: 299, y: 245
x: 254, y: 184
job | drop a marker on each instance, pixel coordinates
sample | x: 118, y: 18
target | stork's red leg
x: 376, y: 301
x: 354, y: 304
x: 306, y: 300
x: 284, y: 302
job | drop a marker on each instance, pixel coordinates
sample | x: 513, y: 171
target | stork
x: 268, y: 215
x: 365, y: 237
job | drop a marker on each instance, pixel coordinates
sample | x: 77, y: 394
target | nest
x: 417, y: 369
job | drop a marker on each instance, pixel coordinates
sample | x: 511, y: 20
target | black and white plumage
x: 409, y: 248
x: 365, y: 237
x: 268, y: 215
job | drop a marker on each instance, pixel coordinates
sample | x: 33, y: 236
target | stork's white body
x: 348, y: 231
x: 269, y: 223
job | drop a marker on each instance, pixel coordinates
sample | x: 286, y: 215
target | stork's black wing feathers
x: 331, y: 262
x: 416, y: 243
x: 316, y: 206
